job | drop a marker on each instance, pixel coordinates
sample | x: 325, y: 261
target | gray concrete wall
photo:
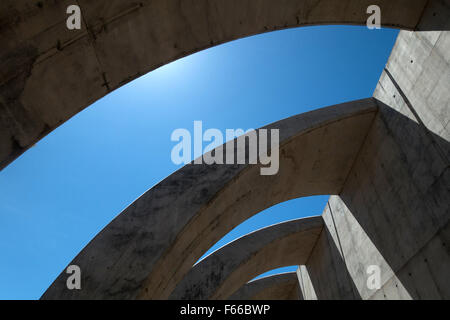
x: 305, y: 287
x: 394, y: 208
x: 415, y: 208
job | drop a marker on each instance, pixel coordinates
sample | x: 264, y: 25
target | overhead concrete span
x: 49, y: 73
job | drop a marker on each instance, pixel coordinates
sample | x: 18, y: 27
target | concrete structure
x: 384, y: 159
x: 147, y: 249
x: 50, y: 73
x: 282, y: 286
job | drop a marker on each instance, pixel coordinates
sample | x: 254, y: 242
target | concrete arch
x: 224, y: 271
x: 281, y: 286
x: 50, y: 73
x: 147, y: 249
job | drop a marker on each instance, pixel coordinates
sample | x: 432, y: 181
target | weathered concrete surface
x: 394, y: 209
x: 148, y: 248
x: 393, y: 212
x: 49, y: 73
x: 224, y: 271
x: 419, y: 70
x: 306, y: 289
x: 325, y: 275
x: 282, y: 286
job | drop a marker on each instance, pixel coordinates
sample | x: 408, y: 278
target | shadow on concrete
x: 328, y: 273
x: 435, y: 16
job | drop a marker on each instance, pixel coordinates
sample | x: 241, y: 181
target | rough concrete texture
x: 418, y: 69
x: 394, y: 209
x: 305, y: 289
x: 50, y: 73
x: 140, y: 254
x: 282, y: 286
x: 224, y: 271
x: 385, y: 159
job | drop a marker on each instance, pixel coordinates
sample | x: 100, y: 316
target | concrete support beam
x: 49, y: 73
x: 394, y: 209
x: 397, y: 194
x: 416, y: 83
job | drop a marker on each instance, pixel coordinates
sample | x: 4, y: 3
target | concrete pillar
x: 394, y: 209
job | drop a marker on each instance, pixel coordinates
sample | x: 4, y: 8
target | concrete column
x: 325, y: 274
x: 394, y: 209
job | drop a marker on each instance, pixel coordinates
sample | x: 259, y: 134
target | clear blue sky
x: 64, y: 190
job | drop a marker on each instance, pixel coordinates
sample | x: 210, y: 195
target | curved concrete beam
x: 281, y: 286
x: 147, y: 249
x: 224, y: 271
x: 49, y: 73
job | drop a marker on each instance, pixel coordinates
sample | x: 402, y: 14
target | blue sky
x: 65, y: 189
